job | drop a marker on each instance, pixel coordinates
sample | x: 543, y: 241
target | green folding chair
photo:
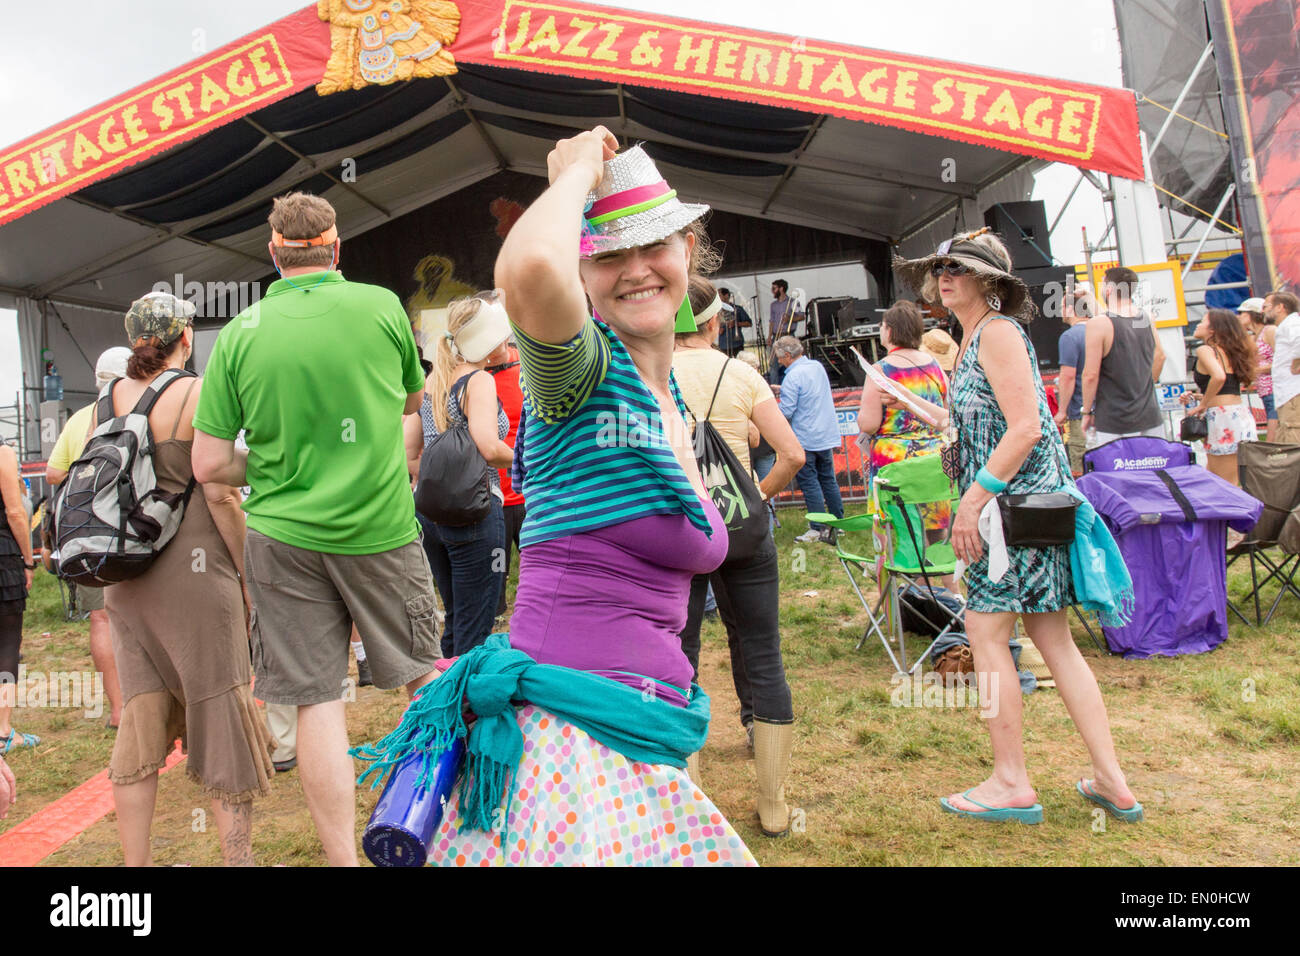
x: 902, y: 558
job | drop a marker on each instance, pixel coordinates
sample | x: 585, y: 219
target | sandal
x: 1030, y: 815
x: 1132, y: 815
x: 15, y: 740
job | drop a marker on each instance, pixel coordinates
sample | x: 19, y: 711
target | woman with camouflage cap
x: 179, y: 630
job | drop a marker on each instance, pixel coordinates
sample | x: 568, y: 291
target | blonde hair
x: 989, y: 285
x: 459, y: 313
x: 302, y: 216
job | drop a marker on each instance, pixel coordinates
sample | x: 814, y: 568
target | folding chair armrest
x: 851, y: 523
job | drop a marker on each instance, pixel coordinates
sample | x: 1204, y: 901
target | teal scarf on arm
x: 488, y: 680
x: 1102, y: 582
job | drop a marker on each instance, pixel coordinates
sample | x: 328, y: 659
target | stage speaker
x: 1023, y: 227
x: 822, y: 313
x: 1046, y: 289
x: 856, y: 312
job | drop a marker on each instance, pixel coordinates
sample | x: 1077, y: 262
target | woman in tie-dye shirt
x: 895, y: 432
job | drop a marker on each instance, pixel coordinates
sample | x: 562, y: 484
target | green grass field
x: 1209, y: 743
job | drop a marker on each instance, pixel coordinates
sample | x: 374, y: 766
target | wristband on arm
x: 989, y: 483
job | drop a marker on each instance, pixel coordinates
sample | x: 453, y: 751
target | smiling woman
x: 617, y: 526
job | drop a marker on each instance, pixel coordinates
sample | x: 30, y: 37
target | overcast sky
x: 99, y: 48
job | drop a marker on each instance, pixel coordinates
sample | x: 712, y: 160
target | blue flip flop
x: 1132, y: 815
x: 1029, y: 815
x: 17, y: 739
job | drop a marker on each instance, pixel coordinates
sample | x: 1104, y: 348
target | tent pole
x: 790, y: 167
x: 1209, y: 227
x: 1064, y: 206
x: 279, y: 141
x: 500, y: 157
x: 1205, y: 55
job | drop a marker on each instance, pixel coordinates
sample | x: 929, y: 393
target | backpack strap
x: 159, y: 385
x: 709, y: 413
x: 181, y: 411
x: 104, y: 408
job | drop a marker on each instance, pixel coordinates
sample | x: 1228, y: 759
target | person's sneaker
x: 830, y: 536
x: 809, y: 536
x: 284, y: 766
x: 363, y: 674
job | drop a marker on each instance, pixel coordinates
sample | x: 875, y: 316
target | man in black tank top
x: 1123, y: 359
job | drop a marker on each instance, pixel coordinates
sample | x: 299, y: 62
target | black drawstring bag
x: 734, y: 493
x: 453, y: 488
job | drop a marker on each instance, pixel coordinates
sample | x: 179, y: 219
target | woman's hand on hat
x: 589, y: 151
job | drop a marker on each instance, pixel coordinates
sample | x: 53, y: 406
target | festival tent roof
x: 176, y: 176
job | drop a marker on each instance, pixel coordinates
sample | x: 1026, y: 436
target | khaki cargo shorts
x: 304, y: 605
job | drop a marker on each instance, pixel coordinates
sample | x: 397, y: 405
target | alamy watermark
x: 213, y: 300
x: 935, y: 690
x: 79, y: 690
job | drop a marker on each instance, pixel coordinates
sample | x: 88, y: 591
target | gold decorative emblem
x: 383, y: 41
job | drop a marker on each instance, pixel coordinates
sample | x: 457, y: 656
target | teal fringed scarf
x: 488, y: 680
x: 1101, y: 580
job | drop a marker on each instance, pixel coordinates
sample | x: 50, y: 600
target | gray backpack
x: 110, y: 517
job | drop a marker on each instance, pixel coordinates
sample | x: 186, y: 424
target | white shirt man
x: 1284, y: 309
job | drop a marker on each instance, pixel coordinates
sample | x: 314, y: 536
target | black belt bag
x: 1038, y: 521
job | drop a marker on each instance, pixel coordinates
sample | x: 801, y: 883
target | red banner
x: 1090, y: 126
x: 352, y: 44
x: 243, y: 76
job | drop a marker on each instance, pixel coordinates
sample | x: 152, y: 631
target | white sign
x: 1170, y: 395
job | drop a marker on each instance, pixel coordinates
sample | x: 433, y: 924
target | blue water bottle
x: 407, y: 816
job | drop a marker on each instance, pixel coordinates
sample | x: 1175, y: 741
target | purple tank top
x: 613, y: 601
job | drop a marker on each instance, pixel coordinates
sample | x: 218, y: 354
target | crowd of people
x: 583, y: 713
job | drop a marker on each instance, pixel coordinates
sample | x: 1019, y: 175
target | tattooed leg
x: 235, y: 827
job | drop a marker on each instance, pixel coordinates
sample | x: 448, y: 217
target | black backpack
x: 453, y: 487
x: 110, y: 518
x: 734, y: 493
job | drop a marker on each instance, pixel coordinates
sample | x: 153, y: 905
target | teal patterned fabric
x: 1038, y: 579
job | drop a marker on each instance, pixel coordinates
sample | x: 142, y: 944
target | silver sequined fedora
x: 633, y: 205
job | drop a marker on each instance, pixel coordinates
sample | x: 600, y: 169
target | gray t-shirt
x: 1126, y: 396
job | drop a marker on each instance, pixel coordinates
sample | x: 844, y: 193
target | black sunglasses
x: 952, y: 268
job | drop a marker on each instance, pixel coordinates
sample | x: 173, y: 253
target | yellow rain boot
x: 772, y: 743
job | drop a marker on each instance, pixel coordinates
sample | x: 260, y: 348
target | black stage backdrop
x: 449, y: 247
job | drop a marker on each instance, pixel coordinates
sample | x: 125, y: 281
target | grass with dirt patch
x: 1208, y: 742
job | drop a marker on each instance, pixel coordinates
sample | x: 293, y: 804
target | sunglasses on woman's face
x: 952, y: 268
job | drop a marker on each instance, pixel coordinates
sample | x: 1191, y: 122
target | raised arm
x: 537, y: 267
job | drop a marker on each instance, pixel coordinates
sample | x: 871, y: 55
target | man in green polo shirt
x: 318, y: 375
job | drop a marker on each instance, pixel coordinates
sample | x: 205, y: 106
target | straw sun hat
x: 983, y: 260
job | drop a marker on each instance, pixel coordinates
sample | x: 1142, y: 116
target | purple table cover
x: 1179, y: 566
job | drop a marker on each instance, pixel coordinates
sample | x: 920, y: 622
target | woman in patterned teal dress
x: 1007, y: 442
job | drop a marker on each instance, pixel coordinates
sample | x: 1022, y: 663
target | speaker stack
x: 1023, y: 229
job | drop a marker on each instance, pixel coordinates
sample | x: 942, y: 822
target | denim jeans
x: 816, y: 480
x: 468, y: 565
x: 748, y: 595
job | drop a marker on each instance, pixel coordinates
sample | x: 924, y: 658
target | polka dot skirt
x: 578, y: 803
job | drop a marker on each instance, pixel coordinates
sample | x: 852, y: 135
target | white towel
x: 990, y: 525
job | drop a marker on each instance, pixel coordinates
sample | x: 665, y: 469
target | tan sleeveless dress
x: 183, y: 659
